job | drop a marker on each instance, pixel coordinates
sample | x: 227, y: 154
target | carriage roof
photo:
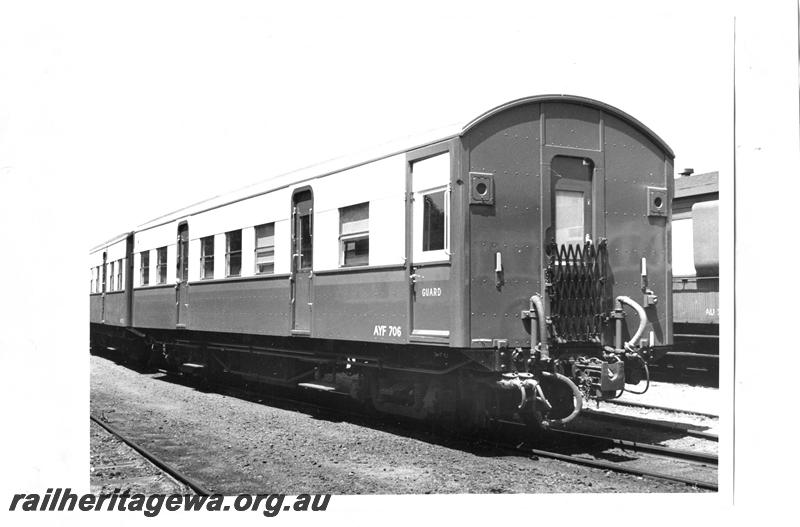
x: 386, y: 150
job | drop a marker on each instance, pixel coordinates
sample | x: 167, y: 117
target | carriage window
x: 207, y: 258
x: 144, y: 270
x: 119, y: 275
x: 572, y: 188
x: 97, y: 279
x: 430, y: 212
x: 433, y: 221
x: 569, y: 217
x: 161, y: 265
x: 182, y: 262
x: 265, y: 248
x: 233, y: 253
x: 307, y: 255
x: 111, y: 275
x: 354, y: 235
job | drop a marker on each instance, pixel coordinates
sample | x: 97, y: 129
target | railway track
x: 636, y: 446
x: 613, y: 454
x: 685, y: 429
x: 696, y: 469
x: 639, y: 466
x: 643, y: 406
x: 166, y: 467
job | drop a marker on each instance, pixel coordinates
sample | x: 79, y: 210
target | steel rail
x: 649, y: 448
x: 193, y: 484
x: 606, y: 465
x: 683, y: 428
x: 262, y: 398
x: 616, y: 467
x: 662, y: 408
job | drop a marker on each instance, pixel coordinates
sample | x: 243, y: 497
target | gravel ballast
x: 238, y: 446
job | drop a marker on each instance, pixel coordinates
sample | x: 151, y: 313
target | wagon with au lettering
x: 695, y: 269
x: 508, y: 269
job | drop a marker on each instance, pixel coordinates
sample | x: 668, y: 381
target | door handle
x: 414, y: 277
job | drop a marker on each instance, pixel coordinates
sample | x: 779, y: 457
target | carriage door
x: 182, y: 276
x: 572, y: 199
x: 302, y: 261
x: 577, y: 296
x: 429, y: 279
x: 103, y: 296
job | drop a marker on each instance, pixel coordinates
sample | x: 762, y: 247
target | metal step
x: 190, y: 367
x: 315, y: 386
x: 327, y: 388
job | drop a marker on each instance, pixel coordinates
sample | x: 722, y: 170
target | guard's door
x: 429, y: 279
x: 182, y: 277
x: 302, y: 261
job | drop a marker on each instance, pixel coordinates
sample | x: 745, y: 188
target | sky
x: 147, y: 107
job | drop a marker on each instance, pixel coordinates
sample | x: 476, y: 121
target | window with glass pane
x: 207, y: 258
x: 111, y: 277
x: 182, y: 268
x: 233, y: 253
x: 569, y: 217
x: 354, y: 235
x: 119, y: 275
x: 161, y: 265
x: 433, y: 221
x: 265, y: 249
x: 307, y: 255
x: 144, y: 269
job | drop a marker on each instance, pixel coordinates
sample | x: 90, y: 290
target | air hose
x: 577, y: 397
x: 642, y: 320
x: 646, y: 374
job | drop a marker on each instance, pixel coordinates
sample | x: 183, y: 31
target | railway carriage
x: 509, y: 269
x: 695, y: 284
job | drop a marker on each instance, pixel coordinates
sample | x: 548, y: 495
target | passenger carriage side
x: 322, y: 259
x: 110, y: 286
x: 529, y: 251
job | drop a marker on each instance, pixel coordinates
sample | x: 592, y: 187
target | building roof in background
x: 696, y: 184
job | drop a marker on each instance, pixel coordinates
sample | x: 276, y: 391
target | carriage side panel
x: 365, y: 305
x: 637, y: 222
x: 252, y: 306
x: 506, y: 149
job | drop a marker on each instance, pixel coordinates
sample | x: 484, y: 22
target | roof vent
x: 687, y: 172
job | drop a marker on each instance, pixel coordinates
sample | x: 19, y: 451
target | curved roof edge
x: 389, y: 149
x: 584, y: 101
x: 111, y: 241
